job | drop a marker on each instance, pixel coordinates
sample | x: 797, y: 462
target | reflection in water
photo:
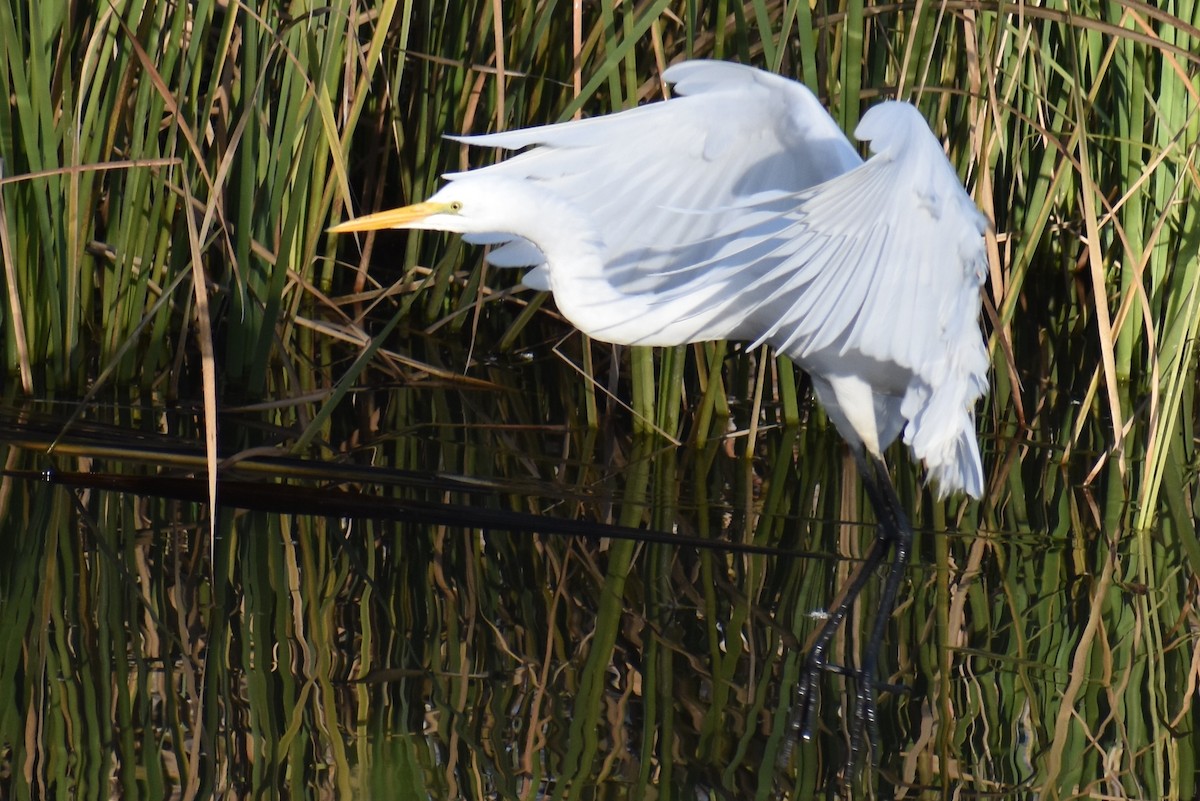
x: 361, y: 652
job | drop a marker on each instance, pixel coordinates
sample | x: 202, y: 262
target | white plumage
x: 738, y: 210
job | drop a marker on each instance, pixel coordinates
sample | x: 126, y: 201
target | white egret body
x: 738, y: 210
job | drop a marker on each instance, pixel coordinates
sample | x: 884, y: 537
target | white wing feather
x: 863, y: 262
x: 733, y: 132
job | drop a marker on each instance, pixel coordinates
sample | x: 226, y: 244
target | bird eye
x: 456, y: 205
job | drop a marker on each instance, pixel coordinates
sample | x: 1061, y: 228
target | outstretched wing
x: 874, y: 274
x: 878, y: 260
x: 641, y: 176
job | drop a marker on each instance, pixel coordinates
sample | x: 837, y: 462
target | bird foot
x: 864, y: 723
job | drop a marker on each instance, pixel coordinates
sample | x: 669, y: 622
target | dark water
x: 443, y: 611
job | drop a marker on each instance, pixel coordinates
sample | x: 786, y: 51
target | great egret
x: 739, y: 210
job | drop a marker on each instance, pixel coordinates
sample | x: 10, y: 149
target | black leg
x: 893, y: 533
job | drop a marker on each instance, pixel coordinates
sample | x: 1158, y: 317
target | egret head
x: 471, y: 205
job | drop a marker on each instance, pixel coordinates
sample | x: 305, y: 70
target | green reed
x: 160, y: 157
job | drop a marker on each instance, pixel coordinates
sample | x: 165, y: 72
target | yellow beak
x: 392, y: 218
